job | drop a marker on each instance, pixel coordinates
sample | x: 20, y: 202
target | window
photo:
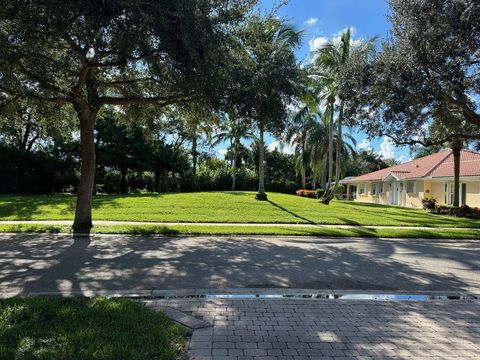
x: 446, y: 193
x: 410, y: 187
x: 361, y: 189
x: 464, y: 194
x: 381, y: 188
x: 374, y: 189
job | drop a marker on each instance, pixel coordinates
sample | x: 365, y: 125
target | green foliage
x: 365, y: 161
x: 428, y: 64
x: 429, y: 203
x: 79, y: 328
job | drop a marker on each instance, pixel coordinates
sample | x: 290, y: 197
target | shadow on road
x: 67, y: 264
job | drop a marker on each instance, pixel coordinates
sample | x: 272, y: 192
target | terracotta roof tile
x: 435, y: 165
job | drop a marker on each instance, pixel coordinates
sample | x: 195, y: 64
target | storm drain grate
x: 326, y: 296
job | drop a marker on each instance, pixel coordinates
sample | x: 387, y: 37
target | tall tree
x: 430, y: 61
x: 200, y: 121
x: 296, y: 135
x: 134, y: 52
x: 122, y: 147
x: 233, y: 130
x: 273, y: 74
x: 327, y: 69
x: 25, y: 124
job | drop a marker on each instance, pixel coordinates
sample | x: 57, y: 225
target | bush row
x: 431, y: 205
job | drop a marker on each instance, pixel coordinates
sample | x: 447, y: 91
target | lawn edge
x: 239, y: 231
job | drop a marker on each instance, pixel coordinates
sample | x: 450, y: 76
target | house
x: 408, y: 183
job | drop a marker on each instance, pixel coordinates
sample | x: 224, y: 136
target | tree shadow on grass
x: 291, y: 212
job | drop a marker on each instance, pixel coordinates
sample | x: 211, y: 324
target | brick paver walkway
x: 333, y: 329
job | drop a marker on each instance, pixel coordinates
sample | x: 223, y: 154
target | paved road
x: 332, y: 329
x: 39, y: 263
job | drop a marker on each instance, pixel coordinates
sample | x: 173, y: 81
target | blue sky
x: 322, y: 20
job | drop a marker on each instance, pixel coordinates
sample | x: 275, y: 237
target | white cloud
x: 387, y: 148
x: 364, y: 145
x: 311, y: 22
x: 317, y: 43
x: 286, y: 149
x: 404, y: 158
x: 338, y: 36
x: 353, y: 31
x: 223, y: 152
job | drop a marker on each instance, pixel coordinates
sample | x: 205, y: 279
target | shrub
x: 429, y: 203
x: 320, y: 193
x: 461, y: 211
x: 306, y: 193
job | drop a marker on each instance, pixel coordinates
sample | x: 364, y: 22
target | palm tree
x: 317, y: 146
x: 296, y: 135
x: 329, y: 61
x: 233, y: 130
x: 269, y: 56
x: 199, y: 124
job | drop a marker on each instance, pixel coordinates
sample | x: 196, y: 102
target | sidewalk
x: 331, y: 329
x: 153, y: 223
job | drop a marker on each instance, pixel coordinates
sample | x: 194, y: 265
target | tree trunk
x: 456, y: 150
x: 21, y: 177
x: 303, y: 164
x: 338, y: 159
x: 330, y: 150
x: 328, y: 195
x: 324, y: 171
x: 261, y: 166
x: 314, y: 174
x: 194, y: 161
x: 234, y: 167
x: 157, y: 180
x: 83, y: 211
x: 123, y: 180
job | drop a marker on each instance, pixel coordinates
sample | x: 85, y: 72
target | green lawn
x: 80, y: 328
x: 433, y: 233
x: 224, y: 207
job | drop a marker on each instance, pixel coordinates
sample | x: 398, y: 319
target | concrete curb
x: 237, y: 236
x: 180, y: 317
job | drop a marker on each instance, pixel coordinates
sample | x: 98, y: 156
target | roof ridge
x: 439, y: 163
x: 471, y: 151
x: 423, y: 157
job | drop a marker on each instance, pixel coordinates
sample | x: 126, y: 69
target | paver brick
x: 295, y: 329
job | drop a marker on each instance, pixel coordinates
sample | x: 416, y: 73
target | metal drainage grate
x: 327, y: 296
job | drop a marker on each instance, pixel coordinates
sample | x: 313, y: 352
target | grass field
x: 222, y: 207
x: 433, y: 233
x: 81, y: 328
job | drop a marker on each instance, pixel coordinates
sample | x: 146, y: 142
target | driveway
x: 331, y: 329
x: 60, y: 263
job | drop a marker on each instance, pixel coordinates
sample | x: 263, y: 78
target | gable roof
x: 431, y: 166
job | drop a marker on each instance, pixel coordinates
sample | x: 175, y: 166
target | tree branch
x: 470, y: 115
x: 155, y: 100
x: 128, y: 81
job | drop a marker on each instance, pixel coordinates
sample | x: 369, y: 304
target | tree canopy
x: 90, y: 54
x: 431, y: 61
